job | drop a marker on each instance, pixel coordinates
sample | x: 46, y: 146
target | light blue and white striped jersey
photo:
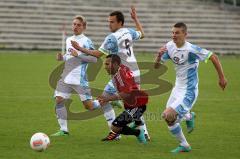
x: 75, y: 69
x: 121, y: 43
x: 186, y: 61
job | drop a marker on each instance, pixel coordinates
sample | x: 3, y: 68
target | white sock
x: 61, y: 112
x: 176, y: 130
x: 109, y: 114
x: 188, y: 116
x: 63, y: 124
x: 144, y: 127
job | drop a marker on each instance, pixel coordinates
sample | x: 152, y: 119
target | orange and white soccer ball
x: 39, y: 141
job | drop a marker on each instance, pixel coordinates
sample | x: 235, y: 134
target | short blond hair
x: 82, y: 19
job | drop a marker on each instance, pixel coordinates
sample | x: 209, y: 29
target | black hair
x: 119, y: 15
x: 115, y: 58
x: 181, y: 25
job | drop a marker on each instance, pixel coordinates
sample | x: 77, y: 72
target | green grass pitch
x: 27, y: 106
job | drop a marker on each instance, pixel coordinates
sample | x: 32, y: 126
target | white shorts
x: 182, y: 100
x: 65, y: 90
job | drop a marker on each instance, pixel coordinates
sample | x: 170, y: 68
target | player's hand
x: 133, y: 13
x: 158, y: 57
x: 162, y: 50
x: 102, y: 100
x: 74, y: 53
x: 59, y: 57
x: 222, y: 83
x: 75, y: 45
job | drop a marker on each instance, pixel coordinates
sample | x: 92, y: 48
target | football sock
x: 109, y: 114
x: 188, y: 116
x: 176, y: 130
x: 129, y: 131
x: 144, y: 127
x: 61, y: 112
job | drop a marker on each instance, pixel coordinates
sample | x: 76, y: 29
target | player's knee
x: 170, y: 122
x: 170, y: 118
x: 59, y: 99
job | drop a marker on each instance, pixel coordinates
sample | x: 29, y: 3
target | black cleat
x: 112, y: 137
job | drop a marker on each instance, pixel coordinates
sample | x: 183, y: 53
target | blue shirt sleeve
x: 135, y: 34
x: 165, y: 57
x: 110, y: 45
x: 202, y: 54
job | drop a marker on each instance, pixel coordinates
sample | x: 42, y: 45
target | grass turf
x: 27, y: 106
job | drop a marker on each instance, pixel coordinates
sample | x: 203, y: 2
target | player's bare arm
x: 88, y: 59
x: 222, y: 80
x: 136, y: 21
x: 83, y: 57
x: 104, y: 99
x: 95, y: 53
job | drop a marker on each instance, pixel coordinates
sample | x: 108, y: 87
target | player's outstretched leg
x: 171, y: 116
x: 61, y: 112
x: 176, y: 131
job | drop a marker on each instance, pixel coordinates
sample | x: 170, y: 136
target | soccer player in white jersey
x: 74, y: 77
x: 186, y: 57
x: 119, y: 42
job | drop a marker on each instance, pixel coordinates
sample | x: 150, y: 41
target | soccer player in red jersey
x: 134, y: 99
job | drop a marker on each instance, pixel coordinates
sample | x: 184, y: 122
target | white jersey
x: 121, y: 43
x: 75, y: 69
x: 186, y: 61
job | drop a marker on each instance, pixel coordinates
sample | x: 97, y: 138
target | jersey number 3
x: 128, y: 48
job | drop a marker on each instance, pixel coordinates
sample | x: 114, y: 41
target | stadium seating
x: 37, y: 24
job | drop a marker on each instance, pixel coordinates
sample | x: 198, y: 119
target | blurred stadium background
x: 37, y: 24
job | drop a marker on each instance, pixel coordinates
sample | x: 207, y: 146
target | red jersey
x: 124, y: 82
